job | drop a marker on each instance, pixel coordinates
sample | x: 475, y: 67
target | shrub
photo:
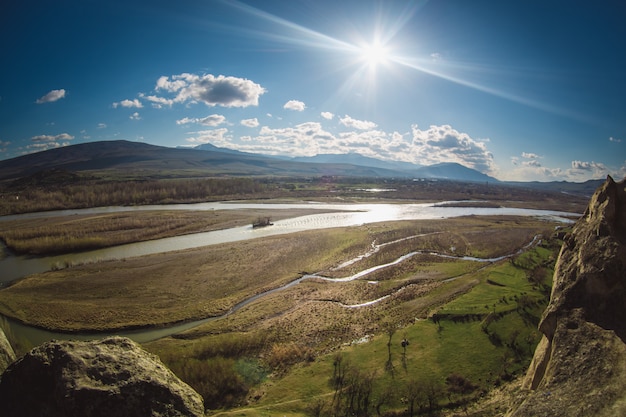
x: 283, y: 355
x: 215, y: 379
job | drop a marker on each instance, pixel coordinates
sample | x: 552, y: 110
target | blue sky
x: 532, y: 90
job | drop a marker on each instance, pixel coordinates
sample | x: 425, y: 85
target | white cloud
x: 135, y: 103
x: 164, y: 83
x: 589, y: 166
x: 186, y: 120
x: 327, y: 115
x: 212, y: 120
x: 44, y: 146
x: 529, y: 155
x: 532, y: 170
x: 101, y: 126
x: 357, y: 124
x: 250, y: 122
x: 444, y: 144
x: 208, y: 89
x: 51, y: 138
x: 216, y: 137
x: 532, y: 163
x: 158, y: 102
x: 583, y: 170
x: 434, y: 145
x: 52, y: 96
x: 305, y: 139
x: 295, y: 105
x: 45, y: 142
x: 612, y: 139
x: 135, y: 116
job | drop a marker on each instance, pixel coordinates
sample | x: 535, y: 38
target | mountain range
x: 141, y: 159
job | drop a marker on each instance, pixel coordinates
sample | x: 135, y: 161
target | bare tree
x: 390, y: 328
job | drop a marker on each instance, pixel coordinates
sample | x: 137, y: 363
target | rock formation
x: 579, y: 367
x: 110, y: 377
x: 7, y: 355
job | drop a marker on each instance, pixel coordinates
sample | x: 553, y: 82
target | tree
x: 414, y: 389
x: 390, y: 328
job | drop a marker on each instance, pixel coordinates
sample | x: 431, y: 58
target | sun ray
x: 370, y: 56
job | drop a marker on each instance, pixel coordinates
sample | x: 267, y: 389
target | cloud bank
x: 436, y: 144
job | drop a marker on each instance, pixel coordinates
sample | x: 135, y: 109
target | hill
x: 140, y: 160
x: 134, y: 158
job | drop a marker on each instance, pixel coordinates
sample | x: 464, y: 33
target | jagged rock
x: 7, y: 355
x: 579, y: 367
x: 110, y: 377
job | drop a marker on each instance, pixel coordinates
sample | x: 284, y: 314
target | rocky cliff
x: 110, y: 377
x: 7, y: 355
x: 579, y: 367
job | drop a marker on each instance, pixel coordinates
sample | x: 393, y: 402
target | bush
x: 283, y: 355
x: 215, y: 379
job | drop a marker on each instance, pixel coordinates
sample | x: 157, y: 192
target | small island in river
x: 262, y: 222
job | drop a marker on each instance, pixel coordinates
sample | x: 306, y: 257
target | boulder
x: 579, y: 366
x: 109, y: 377
x: 7, y: 355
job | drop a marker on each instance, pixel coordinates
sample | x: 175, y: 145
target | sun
x: 374, y: 54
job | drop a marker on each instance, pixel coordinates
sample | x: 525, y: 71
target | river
x: 342, y: 215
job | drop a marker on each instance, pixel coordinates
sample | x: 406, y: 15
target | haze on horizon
x: 517, y: 90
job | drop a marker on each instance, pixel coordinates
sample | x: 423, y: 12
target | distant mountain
x: 583, y: 189
x: 358, y: 159
x: 140, y: 160
x: 213, y: 148
x: 453, y: 171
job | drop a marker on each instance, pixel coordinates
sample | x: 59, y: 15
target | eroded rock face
x: 7, y: 355
x: 579, y: 367
x: 110, y: 377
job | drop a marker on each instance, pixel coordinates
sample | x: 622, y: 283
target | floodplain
x: 447, y: 312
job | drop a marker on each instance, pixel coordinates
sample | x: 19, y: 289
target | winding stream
x: 14, y: 267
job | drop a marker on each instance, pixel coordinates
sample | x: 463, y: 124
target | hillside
x: 145, y: 159
x: 141, y: 158
x: 125, y: 159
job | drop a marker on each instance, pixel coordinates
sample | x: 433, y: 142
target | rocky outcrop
x: 7, y: 355
x: 579, y: 367
x: 110, y: 377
